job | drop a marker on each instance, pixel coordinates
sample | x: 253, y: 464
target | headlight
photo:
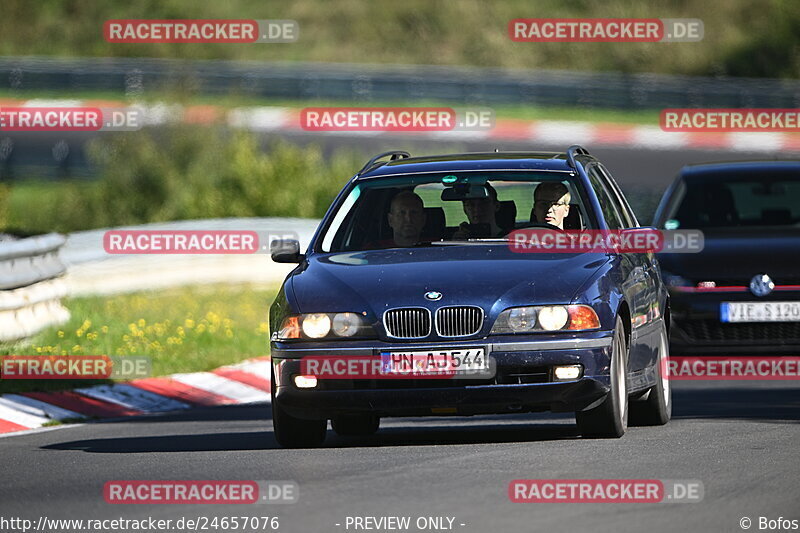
x: 553, y: 318
x: 346, y: 324
x: 316, y: 325
x: 522, y: 318
x: 546, y: 318
x: 324, y: 325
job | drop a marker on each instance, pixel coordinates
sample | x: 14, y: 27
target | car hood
x: 735, y: 255
x: 488, y: 276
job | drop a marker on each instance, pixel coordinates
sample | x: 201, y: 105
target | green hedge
x: 183, y: 173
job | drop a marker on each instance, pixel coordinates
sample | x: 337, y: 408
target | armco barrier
x: 396, y: 83
x: 31, y: 286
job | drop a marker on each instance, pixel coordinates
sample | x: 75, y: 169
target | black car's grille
x: 407, y: 322
x: 458, y: 321
x: 710, y: 330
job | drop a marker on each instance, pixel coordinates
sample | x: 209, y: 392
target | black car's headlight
x: 546, y: 318
x: 324, y: 326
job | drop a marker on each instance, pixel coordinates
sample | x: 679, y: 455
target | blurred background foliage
x: 742, y: 37
x: 183, y: 172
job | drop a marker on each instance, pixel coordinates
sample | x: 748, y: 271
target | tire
x: 291, y: 432
x: 656, y: 409
x: 355, y: 425
x: 610, y: 418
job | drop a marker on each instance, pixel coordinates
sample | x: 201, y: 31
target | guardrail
x: 31, y: 286
x: 407, y: 83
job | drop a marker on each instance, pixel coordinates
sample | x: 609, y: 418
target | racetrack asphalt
x: 738, y: 438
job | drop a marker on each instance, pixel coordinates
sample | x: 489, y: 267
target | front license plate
x: 760, y: 311
x: 449, y: 362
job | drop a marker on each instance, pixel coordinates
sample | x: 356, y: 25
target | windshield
x: 751, y: 200
x: 453, y: 209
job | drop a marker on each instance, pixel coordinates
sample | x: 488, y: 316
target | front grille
x: 458, y: 321
x: 710, y: 330
x: 407, y: 322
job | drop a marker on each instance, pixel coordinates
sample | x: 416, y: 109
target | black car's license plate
x: 760, y: 311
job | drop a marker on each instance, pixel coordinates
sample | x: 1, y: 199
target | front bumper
x: 522, y: 381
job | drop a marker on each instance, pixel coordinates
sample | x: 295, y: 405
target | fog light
x: 305, y: 382
x: 567, y: 372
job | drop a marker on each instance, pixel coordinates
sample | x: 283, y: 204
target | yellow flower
x: 104, y: 329
x: 60, y: 334
x: 188, y: 323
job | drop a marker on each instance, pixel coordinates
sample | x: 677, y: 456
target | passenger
x: 481, y: 211
x: 551, y: 203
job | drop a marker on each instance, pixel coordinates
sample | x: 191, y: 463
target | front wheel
x: 610, y: 418
x: 656, y: 409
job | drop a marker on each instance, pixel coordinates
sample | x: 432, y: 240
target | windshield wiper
x: 469, y: 241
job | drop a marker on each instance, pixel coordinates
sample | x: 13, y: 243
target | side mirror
x: 285, y: 251
x: 644, y: 239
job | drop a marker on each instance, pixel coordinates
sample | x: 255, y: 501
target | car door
x: 652, y: 317
x: 633, y: 268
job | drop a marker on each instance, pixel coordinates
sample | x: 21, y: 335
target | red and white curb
x: 284, y: 119
x: 242, y: 383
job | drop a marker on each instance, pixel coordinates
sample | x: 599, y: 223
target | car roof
x: 722, y: 168
x: 552, y: 161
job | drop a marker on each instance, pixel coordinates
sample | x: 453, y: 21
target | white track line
x: 35, y: 407
x: 223, y: 386
x: 261, y: 369
x: 133, y: 398
x: 11, y: 414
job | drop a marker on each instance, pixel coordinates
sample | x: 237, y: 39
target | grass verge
x: 188, y: 329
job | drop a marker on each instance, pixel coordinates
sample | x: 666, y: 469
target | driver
x: 551, y: 203
x: 406, y: 218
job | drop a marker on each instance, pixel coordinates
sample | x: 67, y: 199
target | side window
x: 627, y: 213
x: 607, y: 203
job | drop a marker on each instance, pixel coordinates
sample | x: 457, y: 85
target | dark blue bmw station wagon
x: 412, y: 266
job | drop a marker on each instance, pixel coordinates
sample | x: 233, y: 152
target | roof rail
x: 396, y: 154
x: 572, y: 151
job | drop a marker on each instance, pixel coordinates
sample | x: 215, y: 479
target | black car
x: 741, y: 293
x: 570, y: 332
